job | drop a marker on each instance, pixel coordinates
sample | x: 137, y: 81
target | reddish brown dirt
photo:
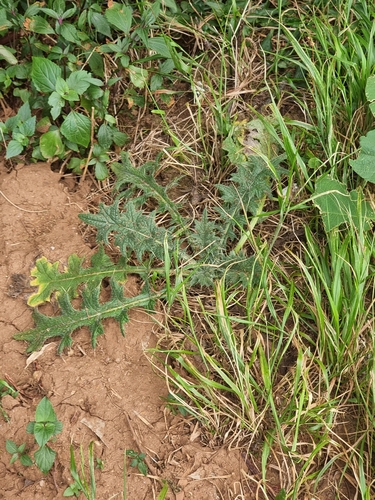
x: 111, y: 395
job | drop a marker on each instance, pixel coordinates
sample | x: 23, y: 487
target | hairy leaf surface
x: 50, y: 280
x: 91, y: 314
x: 133, y: 230
x: 143, y: 178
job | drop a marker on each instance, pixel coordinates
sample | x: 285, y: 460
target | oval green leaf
x: 14, y: 148
x: 120, y: 16
x: 77, y: 128
x: 51, y: 144
x: 44, y: 74
x: 7, y: 55
x: 44, y: 458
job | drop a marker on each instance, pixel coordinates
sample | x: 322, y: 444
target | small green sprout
x: 18, y: 452
x: 138, y: 461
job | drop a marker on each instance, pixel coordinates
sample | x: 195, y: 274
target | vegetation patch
x: 268, y: 340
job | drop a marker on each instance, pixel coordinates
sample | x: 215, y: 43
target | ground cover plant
x: 44, y: 428
x: 265, y: 265
x: 58, y: 41
x: 80, y: 482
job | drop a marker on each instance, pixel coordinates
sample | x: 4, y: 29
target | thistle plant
x: 208, y: 253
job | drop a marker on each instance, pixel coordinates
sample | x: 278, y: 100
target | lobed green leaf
x: 133, y: 230
x: 49, y: 279
x: 91, y: 314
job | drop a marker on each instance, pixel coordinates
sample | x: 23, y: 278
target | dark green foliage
x: 203, y: 252
x: 138, y: 461
x: 143, y: 179
x: 249, y: 184
x: 44, y: 428
x: 210, y: 242
x: 63, y: 75
x: 91, y: 314
x: 134, y: 231
x: 207, y: 239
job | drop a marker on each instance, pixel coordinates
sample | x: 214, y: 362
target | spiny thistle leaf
x: 205, y: 275
x: 242, y: 271
x: 254, y: 156
x: 143, y: 178
x: 134, y: 231
x: 209, y: 242
x: 206, y: 239
x: 90, y: 314
x: 231, y: 221
x: 50, y: 280
x: 251, y: 182
x: 236, y: 270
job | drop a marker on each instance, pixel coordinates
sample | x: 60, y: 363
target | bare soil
x: 111, y: 395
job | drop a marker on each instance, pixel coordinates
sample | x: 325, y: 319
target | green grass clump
x: 287, y: 365
x: 328, y: 59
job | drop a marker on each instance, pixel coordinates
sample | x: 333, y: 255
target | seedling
x: 81, y: 484
x: 7, y: 389
x: 138, y: 461
x: 173, y: 404
x: 99, y: 463
x: 44, y: 428
x: 18, y: 452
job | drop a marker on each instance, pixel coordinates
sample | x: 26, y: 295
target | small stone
x: 37, y: 375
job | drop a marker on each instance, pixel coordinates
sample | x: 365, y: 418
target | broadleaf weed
x: 138, y: 233
x: 138, y: 461
x: 18, y: 453
x: 44, y: 428
x: 78, y: 126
